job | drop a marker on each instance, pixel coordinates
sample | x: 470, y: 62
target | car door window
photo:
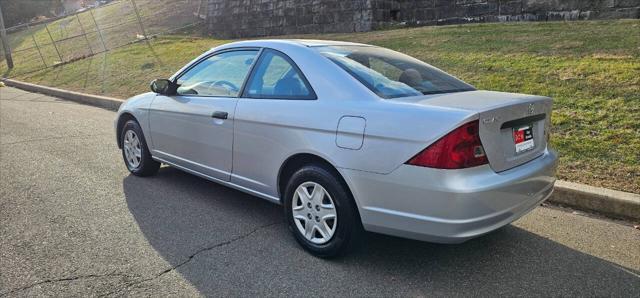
x: 219, y: 75
x: 276, y: 76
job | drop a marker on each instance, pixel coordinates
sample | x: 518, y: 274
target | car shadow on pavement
x: 225, y: 242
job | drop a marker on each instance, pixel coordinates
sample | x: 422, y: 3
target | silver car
x: 346, y: 137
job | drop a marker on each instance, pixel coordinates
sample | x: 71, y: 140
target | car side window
x: 275, y: 76
x: 219, y: 75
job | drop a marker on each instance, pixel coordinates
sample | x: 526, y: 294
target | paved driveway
x: 74, y: 222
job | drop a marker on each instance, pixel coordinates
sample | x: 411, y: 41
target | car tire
x: 327, y: 238
x: 135, y: 152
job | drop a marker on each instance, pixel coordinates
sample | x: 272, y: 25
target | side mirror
x: 164, y: 87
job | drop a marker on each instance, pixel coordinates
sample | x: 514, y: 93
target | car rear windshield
x: 390, y: 74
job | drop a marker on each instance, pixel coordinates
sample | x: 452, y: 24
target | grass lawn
x: 591, y: 69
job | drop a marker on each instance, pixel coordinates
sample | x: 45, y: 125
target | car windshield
x: 390, y: 74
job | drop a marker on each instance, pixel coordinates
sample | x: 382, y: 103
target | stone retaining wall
x: 436, y: 12
x: 248, y: 18
x: 245, y: 18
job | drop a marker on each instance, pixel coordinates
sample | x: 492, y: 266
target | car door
x: 194, y: 128
x: 272, y: 116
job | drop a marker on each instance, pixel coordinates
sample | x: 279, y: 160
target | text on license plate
x: 523, y: 138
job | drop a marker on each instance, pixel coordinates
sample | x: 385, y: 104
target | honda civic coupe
x: 347, y: 138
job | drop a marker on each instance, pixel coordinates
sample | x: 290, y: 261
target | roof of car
x: 302, y: 42
x: 320, y: 43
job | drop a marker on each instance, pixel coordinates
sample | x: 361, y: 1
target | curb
x: 605, y: 201
x: 94, y: 100
x: 612, y: 203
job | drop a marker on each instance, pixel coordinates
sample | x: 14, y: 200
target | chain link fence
x: 44, y: 44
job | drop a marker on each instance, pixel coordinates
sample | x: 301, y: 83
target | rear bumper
x: 450, y: 206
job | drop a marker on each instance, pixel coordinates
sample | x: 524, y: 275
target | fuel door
x: 350, y: 133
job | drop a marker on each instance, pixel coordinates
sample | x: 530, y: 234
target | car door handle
x: 220, y: 115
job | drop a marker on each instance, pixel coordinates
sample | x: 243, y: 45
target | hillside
x: 103, y: 28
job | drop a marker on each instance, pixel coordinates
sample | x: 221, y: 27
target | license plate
x: 523, y: 138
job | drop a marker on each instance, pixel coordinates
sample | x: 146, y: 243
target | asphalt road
x: 73, y: 222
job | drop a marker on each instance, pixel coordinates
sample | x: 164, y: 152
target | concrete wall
x: 244, y: 18
x: 435, y: 12
x: 248, y: 18
x: 70, y: 6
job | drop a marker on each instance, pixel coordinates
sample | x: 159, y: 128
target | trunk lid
x: 513, y: 127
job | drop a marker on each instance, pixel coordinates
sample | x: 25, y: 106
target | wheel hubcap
x: 314, y: 212
x: 132, y: 150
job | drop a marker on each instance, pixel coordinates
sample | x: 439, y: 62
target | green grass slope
x: 117, y: 23
x: 591, y: 69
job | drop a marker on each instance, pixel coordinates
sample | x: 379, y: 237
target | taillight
x: 459, y: 149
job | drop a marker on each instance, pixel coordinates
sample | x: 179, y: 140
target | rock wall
x: 435, y: 12
x: 249, y: 18
x: 246, y: 18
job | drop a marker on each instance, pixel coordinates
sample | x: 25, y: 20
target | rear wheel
x: 135, y: 152
x: 321, y: 213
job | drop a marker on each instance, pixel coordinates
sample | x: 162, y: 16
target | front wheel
x: 321, y: 213
x: 135, y: 152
